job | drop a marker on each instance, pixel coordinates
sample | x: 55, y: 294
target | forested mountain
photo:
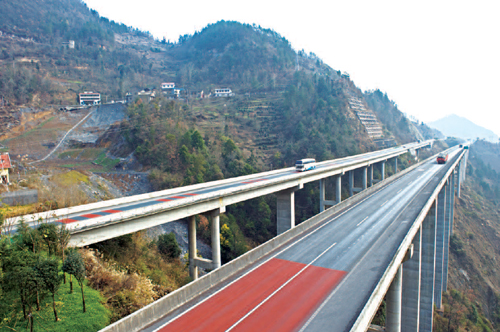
x: 287, y: 105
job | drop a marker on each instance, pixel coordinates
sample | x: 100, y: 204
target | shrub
x: 168, y: 246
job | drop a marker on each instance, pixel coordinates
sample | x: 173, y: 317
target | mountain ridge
x: 457, y: 126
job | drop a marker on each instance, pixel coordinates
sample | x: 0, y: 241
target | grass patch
x: 104, y: 161
x: 91, y: 154
x: 69, y: 310
x: 70, y: 178
x: 20, y: 210
x: 40, y: 126
x: 71, y: 154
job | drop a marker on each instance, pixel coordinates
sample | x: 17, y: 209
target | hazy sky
x: 433, y: 58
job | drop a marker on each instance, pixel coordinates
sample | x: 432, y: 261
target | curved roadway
x: 320, y: 280
x: 114, y: 211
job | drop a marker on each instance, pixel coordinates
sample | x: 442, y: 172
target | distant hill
x: 456, y: 126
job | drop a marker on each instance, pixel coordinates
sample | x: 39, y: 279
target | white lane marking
x: 400, y: 190
x: 362, y: 221
x: 384, y: 203
x: 410, y: 183
x: 291, y: 245
x: 280, y: 288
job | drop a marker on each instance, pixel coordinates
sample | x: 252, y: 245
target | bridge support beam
x: 411, y: 287
x: 286, y: 209
x: 393, y: 299
x: 447, y: 231
x: 440, y: 241
x: 382, y: 171
x: 428, y: 269
x: 395, y: 165
x: 193, y: 269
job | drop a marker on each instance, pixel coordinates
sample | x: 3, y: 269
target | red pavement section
x: 288, y: 308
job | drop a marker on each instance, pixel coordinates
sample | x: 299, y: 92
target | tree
x: 48, y: 273
x: 168, y: 246
x: 48, y: 234
x: 21, y: 276
x: 73, y: 264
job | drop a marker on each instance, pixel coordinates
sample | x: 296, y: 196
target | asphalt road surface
x: 320, y: 280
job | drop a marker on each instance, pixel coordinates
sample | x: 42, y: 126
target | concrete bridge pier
x: 395, y: 164
x: 447, y: 231
x: 382, y: 171
x: 338, y: 188
x: 215, y: 214
x: 286, y: 209
x: 322, y: 191
x: 410, y: 307
x: 428, y: 269
x: 365, y: 177
x: 351, y: 183
x: 459, y: 178
x: 440, y: 242
x: 370, y: 172
x: 393, y: 300
x: 193, y: 269
x: 453, y: 183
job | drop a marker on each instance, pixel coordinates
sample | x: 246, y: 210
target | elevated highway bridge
x: 328, y: 273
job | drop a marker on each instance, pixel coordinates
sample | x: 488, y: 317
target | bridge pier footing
x: 428, y: 269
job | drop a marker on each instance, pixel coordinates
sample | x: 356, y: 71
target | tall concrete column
x: 393, y: 301
x: 351, y: 183
x: 382, y: 171
x: 322, y: 185
x: 417, y: 151
x: 459, y: 177
x: 447, y: 224
x: 428, y: 268
x: 193, y: 269
x: 285, y: 210
x: 365, y: 177
x: 452, y: 210
x: 371, y: 175
x: 338, y: 188
x: 395, y: 164
x: 216, y: 260
x: 440, y: 241
x: 410, y: 317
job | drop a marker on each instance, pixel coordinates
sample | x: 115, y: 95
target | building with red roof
x: 5, y: 165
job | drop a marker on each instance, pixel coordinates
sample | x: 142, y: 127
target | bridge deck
x: 320, y: 280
